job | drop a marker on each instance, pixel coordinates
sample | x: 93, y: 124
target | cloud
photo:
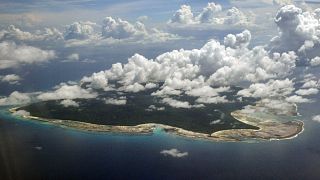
x: 174, y: 153
x: 208, y: 13
x: 239, y: 40
x: 21, y: 113
x: 114, y: 31
x: 306, y: 92
x: 13, y: 55
x: 69, y: 103
x: 67, y: 92
x: 154, y: 108
x: 212, y: 100
x: 195, y: 72
x: 121, y: 101
x: 15, y: 34
x: 73, y: 57
x: 282, y: 2
x: 180, y: 104
x: 315, y: 61
x: 117, y: 28
x: 79, y: 30
x: 298, y: 32
x: 15, y: 98
x: 183, y: 15
x: 316, y: 118
x: 297, y: 99
x: 211, y: 14
x: 273, y: 88
x: 11, y: 79
x: 310, y: 84
x: 261, y: 2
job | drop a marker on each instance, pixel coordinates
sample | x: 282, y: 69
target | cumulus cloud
x: 239, y: 40
x: 73, y: 57
x: 69, y: 103
x: 15, y: 34
x: 273, y: 88
x: 211, y: 14
x: 195, y: 72
x: 67, y: 92
x: 315, y: 61
x: 11, y: 79
x: 21, y: 113
x: 184, y: 15
x: 120, y: 101
x: 311, y: 84
x: 299, y: 32
x: 15, y: 98
x: 174, y: 153
x: 155, y: 108
x: 297, y: 99
x: 117, y: 28
x: 79, y: 30
x: 208, y: 13
x: 306, y: 92
x: 13, y: 55
x: 316, y: 118
x: 176, y: 103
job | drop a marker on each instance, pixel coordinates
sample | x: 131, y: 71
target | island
x: 247, y: 121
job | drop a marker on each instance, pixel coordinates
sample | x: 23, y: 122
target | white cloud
x: 306, y: 92
x: 298, y: 32
x: 73, y: 57
x: 117, y: 28
x: 174, y: 153
x: 69, y: 103
x: 211, y: 14
x: 15, y: 98
x: 136, y: 87
x: 97, y: 81
x: 297, y: 99
x: 273, y: 88
x: 180, y: 104
x: 208, y: 13
x: 315, y: 61
x: 218, y: 121
x: 195, y: 72
x: 121, y: 101
x: 239, y: 40
x: 184, y: 15
x: 67, y: 92
x: 310, y: 84
x: 154, y: 108
x: 212, y: 100
x: 176, y: 104
x: 316, y: 118
x: 15, y: 34
x: 79, y: 30
x: 11, y: 79
x: 13, y: 55
x: 278, y: 106
x: 21, y: 113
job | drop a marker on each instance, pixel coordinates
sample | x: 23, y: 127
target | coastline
x: 268, y: 129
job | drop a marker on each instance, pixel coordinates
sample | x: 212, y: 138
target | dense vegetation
x: 135, y: 113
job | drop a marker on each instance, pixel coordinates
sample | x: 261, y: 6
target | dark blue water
x: 31, y: 150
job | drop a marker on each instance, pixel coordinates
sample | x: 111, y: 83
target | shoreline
x: 268, y: 130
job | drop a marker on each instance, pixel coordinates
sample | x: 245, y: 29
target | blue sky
x: 157, y: 11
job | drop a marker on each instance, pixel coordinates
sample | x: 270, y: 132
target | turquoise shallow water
x: 33, y: 150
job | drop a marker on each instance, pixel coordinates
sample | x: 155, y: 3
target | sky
x: 196, y: 48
